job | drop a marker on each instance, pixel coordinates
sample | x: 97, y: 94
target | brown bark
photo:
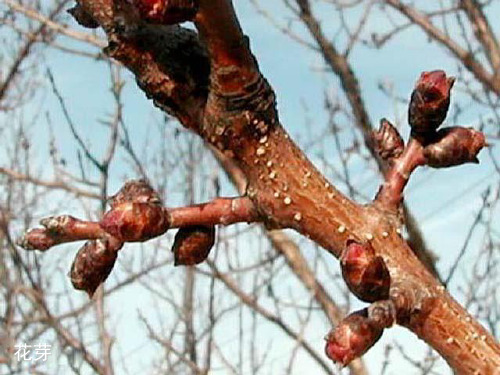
x: 285, y: 246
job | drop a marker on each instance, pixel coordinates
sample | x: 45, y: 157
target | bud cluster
x: 367, y: 276
x: 136, y: 214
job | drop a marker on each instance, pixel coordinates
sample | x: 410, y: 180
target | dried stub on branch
x: 93, y: 263
x: 429, y: 102
x: 354, y: 335
x: 365, y: 274
x: 167, y: 12
x: 82, y: 17
x: 192, y: 245
x: 137, y: 214
x: 388, y: 142
x: 454, y: 146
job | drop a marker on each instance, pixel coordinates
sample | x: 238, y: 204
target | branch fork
x: 427, y: 146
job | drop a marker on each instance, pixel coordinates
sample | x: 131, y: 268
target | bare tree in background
x: 273, y: 192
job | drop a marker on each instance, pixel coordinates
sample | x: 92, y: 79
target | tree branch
x: 239, y: 118
x: 483, y: 32
x: 486, y: 78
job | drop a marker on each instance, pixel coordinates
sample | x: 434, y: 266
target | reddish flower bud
x: 167, y: 11
x: 365, y: 274
x: 135, y: 222
x: 352, y: 338
x: 454, y: 146
x: 388, y: 142
x: 430, y: 101
x: 135, y: 191
x: 93, y: 264
x: 192, y: 245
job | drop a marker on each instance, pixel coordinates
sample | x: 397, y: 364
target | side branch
x: 390, y: 194
x: 220, y: 211
x: 442, y: 148
x: 136, y: 216
x: 142, y: 226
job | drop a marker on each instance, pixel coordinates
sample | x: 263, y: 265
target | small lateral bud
x: 430, y: 101
x: 167, y: 12
x: 192, y: 245
x: 352, y: 338
x: 135, y: 222
x: 93, y: 264
x: 454, y: 146
x: 388, y: 142
x: 365, y: 274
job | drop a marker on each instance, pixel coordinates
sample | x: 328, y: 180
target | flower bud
x: 430, y: 101
x: 454, y: 146
x: 365, y: 274
x: 135, y: 222
x: 352, y: 338
x: 135, y: 191
x: 93, y: 264
x: 167, y: 12
x: 192, y: 245
x: 388, y: 142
